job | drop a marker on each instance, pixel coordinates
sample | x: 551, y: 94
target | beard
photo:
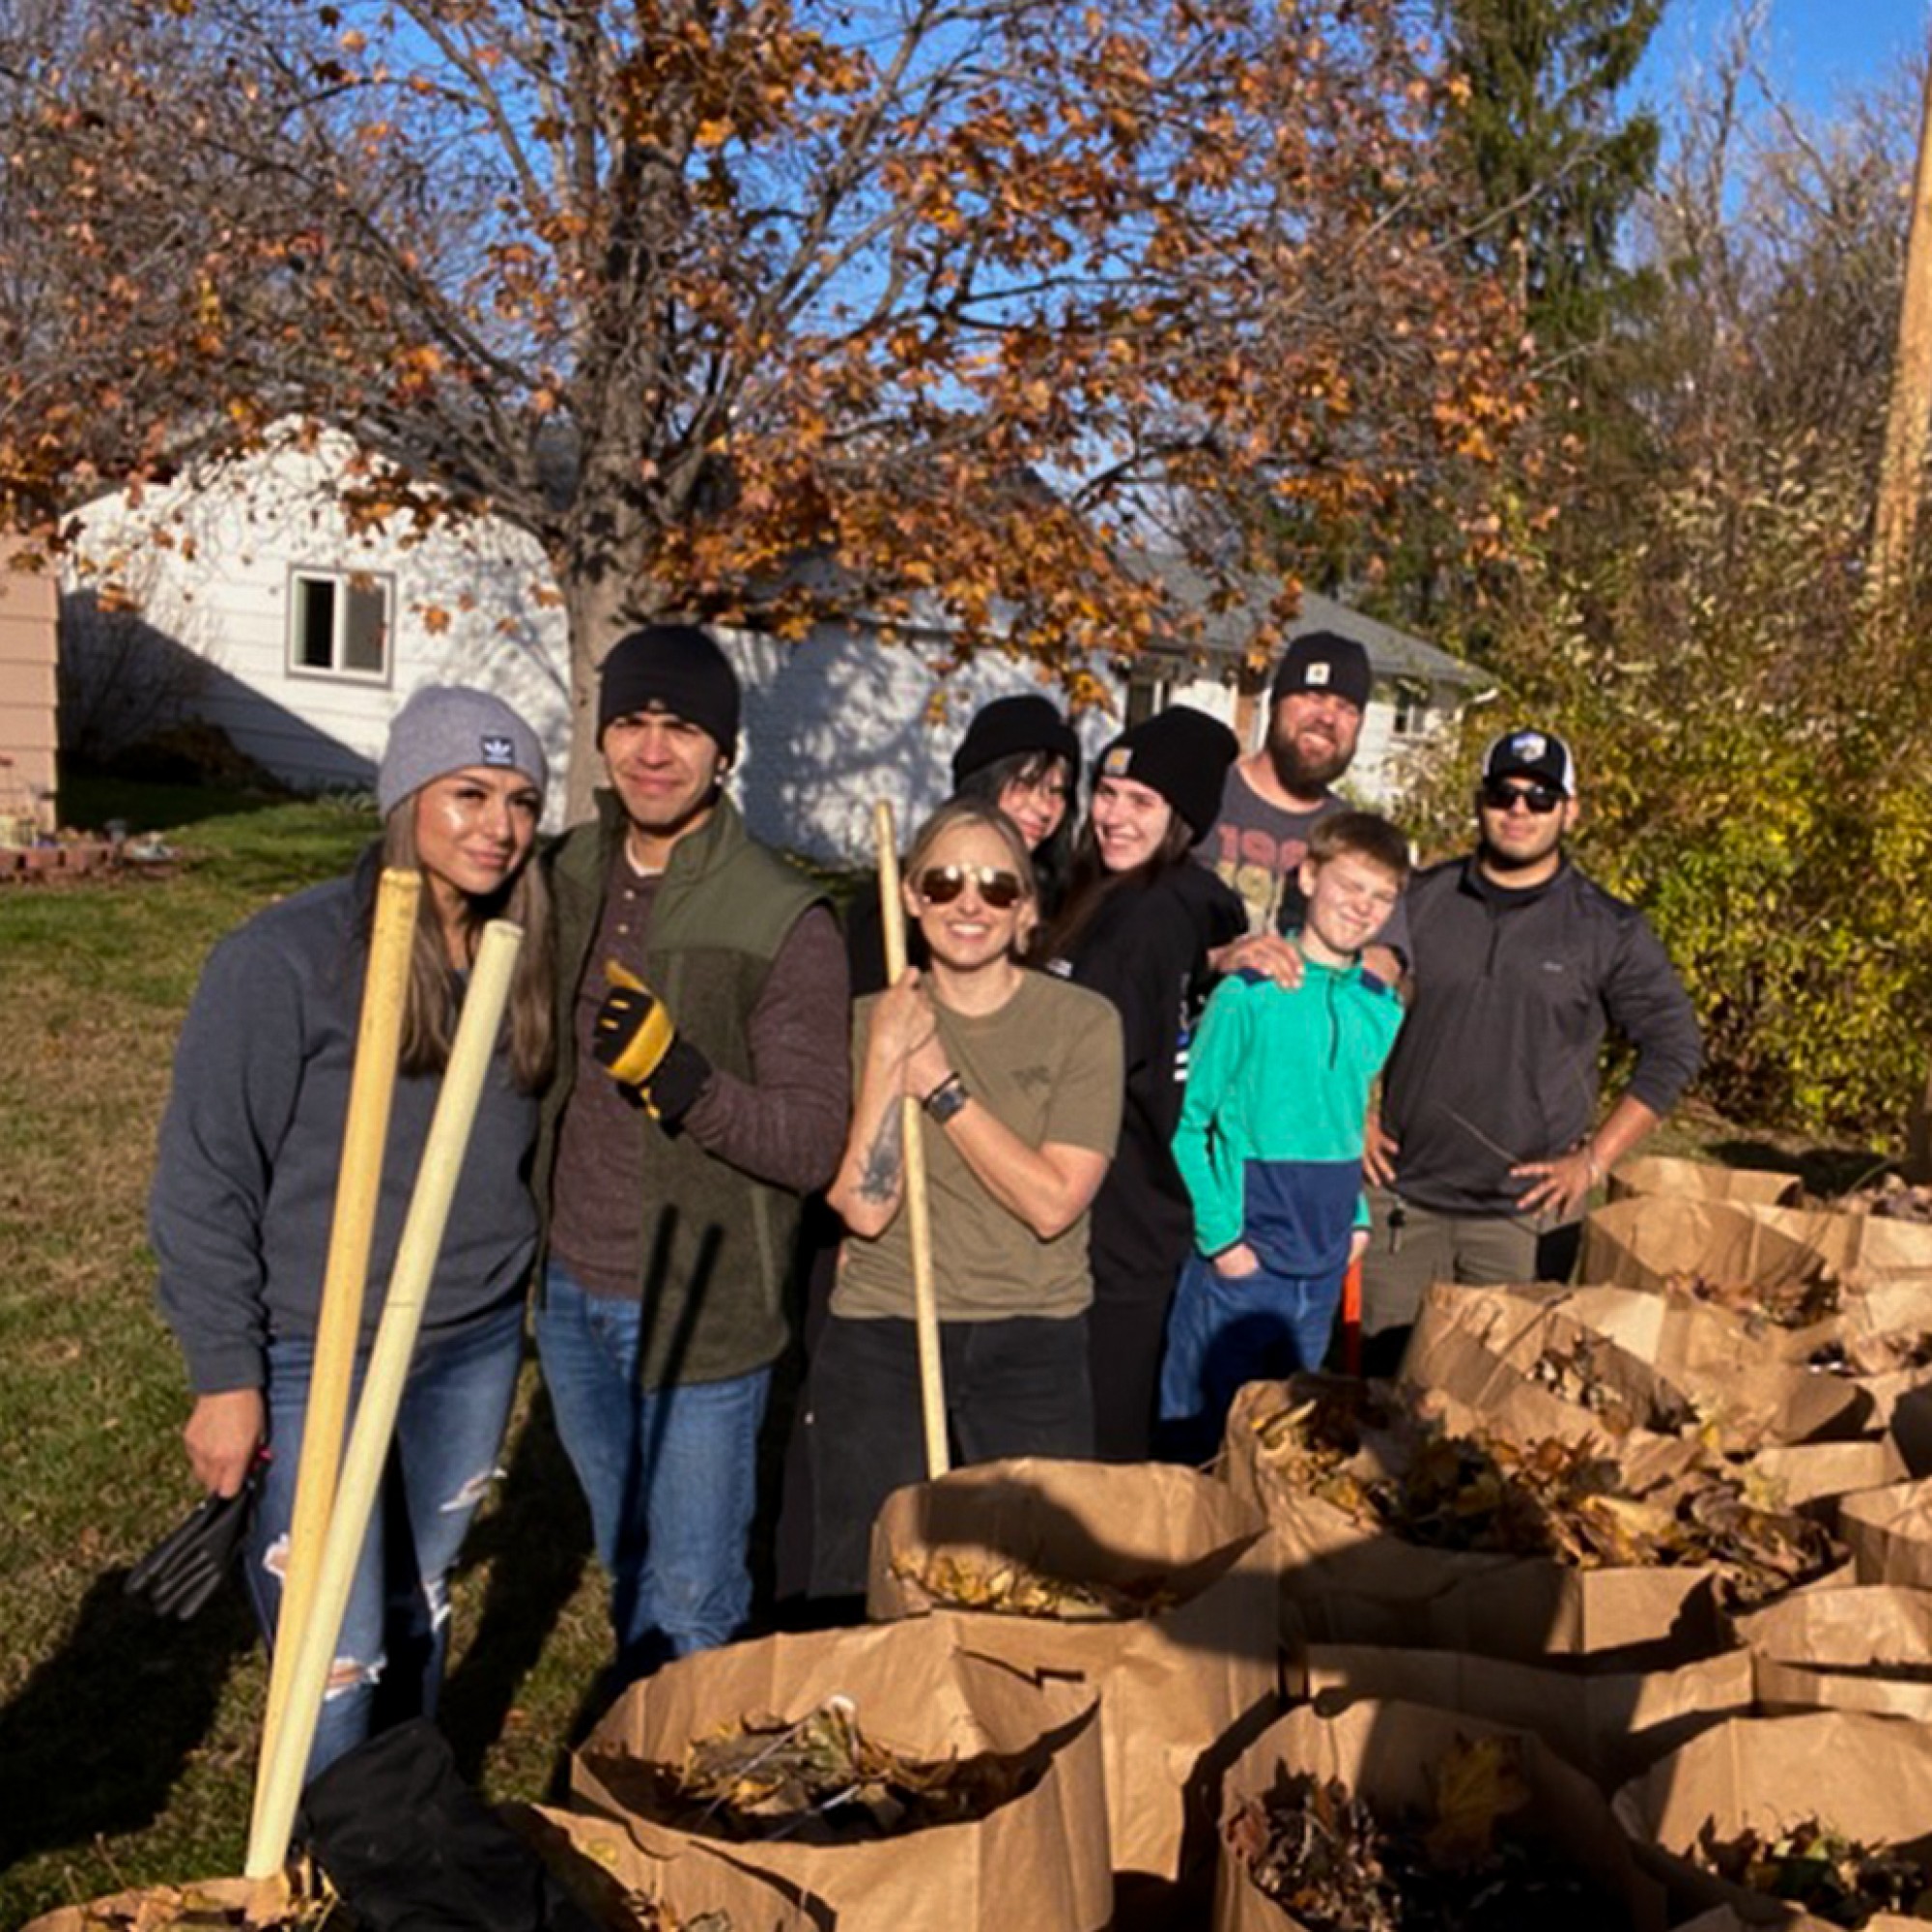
x: 1501, y: 861
x: 1305, y: 774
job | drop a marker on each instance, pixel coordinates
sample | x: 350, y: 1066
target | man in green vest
x: 702, y: 1088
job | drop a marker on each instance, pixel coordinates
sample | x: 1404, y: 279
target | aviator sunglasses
x: 941, y: 885
x: 1498, y: 794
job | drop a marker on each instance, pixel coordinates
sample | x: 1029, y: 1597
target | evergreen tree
x: 1555, y: 164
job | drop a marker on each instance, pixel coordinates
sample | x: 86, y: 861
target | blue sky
x: 1814, y: 50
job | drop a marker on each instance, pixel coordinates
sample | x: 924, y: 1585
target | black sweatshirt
x: 1513, y: 991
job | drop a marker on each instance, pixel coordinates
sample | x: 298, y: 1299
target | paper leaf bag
x: 1039, y: 1860
x: 1392, y: 1755
x: 1866, y: 1778
x: 1862, y: 1649
x: 1157, y: 1584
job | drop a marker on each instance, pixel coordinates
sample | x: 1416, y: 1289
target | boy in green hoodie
x: 1271, y: 1140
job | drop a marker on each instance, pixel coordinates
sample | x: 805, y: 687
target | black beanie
x: 1183, y: 755
x: 1325, y: 660
x: 673, y: 667
x: 1010, y: 728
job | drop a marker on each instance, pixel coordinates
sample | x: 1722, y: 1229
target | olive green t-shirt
x: 1047, y: 1064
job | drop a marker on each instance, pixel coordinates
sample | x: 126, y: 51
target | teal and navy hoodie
x: 1270, y: 1136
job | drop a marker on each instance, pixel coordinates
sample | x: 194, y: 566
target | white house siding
x: 835, y: 722
x: 208, y: 561
x: 830, y: 726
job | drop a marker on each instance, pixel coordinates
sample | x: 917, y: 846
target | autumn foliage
x: 744, y: 309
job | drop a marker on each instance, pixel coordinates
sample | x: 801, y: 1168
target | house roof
x: 1226, y: 634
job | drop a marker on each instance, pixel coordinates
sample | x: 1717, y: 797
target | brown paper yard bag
x: 607, y: 1869
x: 1040, y: 1861
x: 1868, y: 1777
x: 1701, y: 1181
x: 1174, y: 1687
x: 1890, y: 1533
x: 122, y: 1910
x: 1344, y: 1580
x: 1610, y: 1724
x: 1642, y: 1240
x: 1385, y: 1753
x: 1816, y: 1477
x: 1722, y: 1918
x: 1862, y: 1649
x: 1659, y: 1364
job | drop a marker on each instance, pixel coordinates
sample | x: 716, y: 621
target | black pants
x: 1126, y: 1339
x: 1014, y: 1387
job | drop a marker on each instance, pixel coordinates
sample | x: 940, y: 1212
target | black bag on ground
x: 412, y: 1848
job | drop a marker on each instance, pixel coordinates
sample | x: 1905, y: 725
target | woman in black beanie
x: 1139, y: 920
x: 1022, y: 757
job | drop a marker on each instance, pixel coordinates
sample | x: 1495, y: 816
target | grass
x: 127, y: 1746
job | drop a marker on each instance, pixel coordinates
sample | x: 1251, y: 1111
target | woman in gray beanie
x: 244, y: 1189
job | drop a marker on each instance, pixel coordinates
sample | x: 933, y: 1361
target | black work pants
x: 1013, y: 1387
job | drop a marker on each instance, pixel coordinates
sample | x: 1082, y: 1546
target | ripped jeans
x: 449, y: 1430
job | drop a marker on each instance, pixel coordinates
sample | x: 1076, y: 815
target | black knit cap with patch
x: 673, y: 667
x: 1183, y: 755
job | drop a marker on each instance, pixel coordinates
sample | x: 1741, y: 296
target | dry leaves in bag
x: 1333, y: 1865
x: 216, y: 1906
x: 1483, y: 1492
x: 1017, y: 1590
x: 822, y: 1780
x: 1573, y: 1373
x: 1791, y: 1303
x: 1830, y: 1876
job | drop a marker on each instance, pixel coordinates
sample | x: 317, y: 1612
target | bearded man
x: 1273, y: 798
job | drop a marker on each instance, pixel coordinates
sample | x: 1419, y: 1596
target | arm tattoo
x: 879, y: 1176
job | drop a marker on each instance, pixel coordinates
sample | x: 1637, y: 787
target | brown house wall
x: 29, y: 630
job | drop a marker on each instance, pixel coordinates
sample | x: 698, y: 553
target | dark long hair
x: 1053, y: 857
x: 431, y: 1006
x: 1091, y: 886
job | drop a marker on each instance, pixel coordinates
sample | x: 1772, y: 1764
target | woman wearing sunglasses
x: 1018, y: 1077
x: 1140, y: 920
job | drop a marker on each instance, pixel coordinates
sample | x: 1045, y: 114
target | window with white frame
x: 339, y: 624
x: 1412, y: 710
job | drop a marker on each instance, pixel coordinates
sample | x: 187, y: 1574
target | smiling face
x: 966, y: 933
x: 1350, y: 900
x: 1037, y: 804
x: 665, y: 770
x: 1523, y: 846
x: 1310, y: 739
x: 1130, y: 823
x: 474, y: 827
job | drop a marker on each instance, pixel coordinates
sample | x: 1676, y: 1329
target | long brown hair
x: 1090, y: 884
x: 430, y: 1008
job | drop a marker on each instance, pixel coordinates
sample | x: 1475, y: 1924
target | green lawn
x: 126, y: 1746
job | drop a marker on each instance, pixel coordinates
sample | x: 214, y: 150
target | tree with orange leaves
x: 968, y: 302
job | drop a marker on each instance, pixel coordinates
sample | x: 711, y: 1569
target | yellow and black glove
x: 634, y: 1039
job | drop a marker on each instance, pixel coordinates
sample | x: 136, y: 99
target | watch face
x: 947, y: 1102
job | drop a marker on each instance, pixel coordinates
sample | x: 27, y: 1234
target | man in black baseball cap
x: 1490, y: 1139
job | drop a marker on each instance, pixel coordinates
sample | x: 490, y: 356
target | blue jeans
x: 670, y: 1475
x: 1222, y: 1333
x: 449, y: 1432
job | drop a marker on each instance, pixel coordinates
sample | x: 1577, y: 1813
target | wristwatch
x: 946, y: 1100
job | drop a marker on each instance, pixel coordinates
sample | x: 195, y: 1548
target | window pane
x: 365, y: 631
x: 314, y: 648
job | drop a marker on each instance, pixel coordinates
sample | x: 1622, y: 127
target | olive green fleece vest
x: 718, y: 1245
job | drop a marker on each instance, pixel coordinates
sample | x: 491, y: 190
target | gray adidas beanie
x: 445, y: 727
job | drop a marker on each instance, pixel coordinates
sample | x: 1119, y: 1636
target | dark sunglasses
x: 941, y: 885
x: 1498, y: 794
